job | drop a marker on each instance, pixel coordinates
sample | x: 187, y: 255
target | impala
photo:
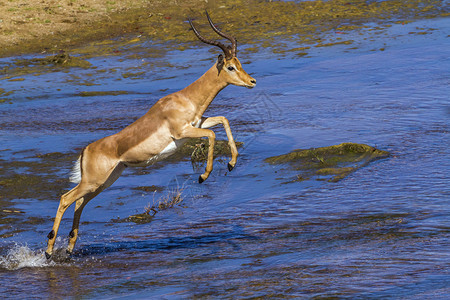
x: 156, y: 135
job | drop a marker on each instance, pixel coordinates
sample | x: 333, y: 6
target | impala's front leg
x: 213, y: 121
x: 192, y: 132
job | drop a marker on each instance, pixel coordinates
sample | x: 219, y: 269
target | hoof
x: 47, y: 256
x: 230, y: 167
x: 51, y: 234
x: 68, y: 252
x: 200, y: 179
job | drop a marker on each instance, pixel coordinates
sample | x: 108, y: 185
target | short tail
x: 75, y: 175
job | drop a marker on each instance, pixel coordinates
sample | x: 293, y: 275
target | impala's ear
x: 220, y: 63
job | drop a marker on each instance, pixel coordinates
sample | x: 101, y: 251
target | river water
x: 381, y: 232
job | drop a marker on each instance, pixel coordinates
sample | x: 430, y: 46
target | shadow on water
x: 188, y: 242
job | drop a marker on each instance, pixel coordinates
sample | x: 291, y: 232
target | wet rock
x: 143, y: 218
x: 197, y: 150
x: 330, y: 163
x: 149, y: 189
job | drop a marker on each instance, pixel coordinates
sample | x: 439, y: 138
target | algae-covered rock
x: 143, y: 218
x: 330, y: 163
x: 197, y: 150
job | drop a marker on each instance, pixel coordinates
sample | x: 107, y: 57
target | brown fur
x: 170, y: 119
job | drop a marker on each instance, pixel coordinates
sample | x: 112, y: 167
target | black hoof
x: 230, y: 167
x: 47, y: 255
x: 68, y: 252
x: 200, y: 179
x: 51, y: 234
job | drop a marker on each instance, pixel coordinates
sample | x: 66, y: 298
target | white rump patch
x: 75, y: 175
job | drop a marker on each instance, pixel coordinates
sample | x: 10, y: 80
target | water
x: 382, y: 232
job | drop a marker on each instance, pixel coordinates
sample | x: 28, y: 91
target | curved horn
x: 214, y: 43
x: 227, y: 36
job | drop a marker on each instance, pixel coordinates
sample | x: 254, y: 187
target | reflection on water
x: 383, y: 231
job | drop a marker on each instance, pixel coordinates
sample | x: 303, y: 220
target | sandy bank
x: 39, y: 26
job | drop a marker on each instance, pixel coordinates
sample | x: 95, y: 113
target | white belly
x: 166, y: 152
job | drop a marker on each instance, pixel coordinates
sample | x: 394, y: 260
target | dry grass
x: 172, y: 198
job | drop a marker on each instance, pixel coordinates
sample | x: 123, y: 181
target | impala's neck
x: 202, y: 91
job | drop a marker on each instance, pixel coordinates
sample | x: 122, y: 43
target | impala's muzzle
x: 252, y: 84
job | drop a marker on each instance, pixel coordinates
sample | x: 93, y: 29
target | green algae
x: 101, y: 93
x: 148, y: 189
x: 23, y: 186
x: 4, y: 94
x: 38, y: 66
x: 134, y: 76
x: 35, y: 176
x: 143, y: 218
x: 61, y: 59
x: 331, y: 163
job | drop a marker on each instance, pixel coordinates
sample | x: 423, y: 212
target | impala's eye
x: 230, y: 68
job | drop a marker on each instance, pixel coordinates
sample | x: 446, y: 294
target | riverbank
x: 48, y: 26
x: 28, y: 26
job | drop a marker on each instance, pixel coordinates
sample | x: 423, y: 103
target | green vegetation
x: 328, y: 163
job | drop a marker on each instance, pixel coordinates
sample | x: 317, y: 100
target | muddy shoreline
x: 49, y: 26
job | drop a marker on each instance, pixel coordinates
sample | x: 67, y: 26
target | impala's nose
x: 252, y: 83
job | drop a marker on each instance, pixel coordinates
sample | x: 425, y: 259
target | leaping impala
x: 156, y: 135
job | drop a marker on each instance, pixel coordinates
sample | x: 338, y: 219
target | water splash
x: 21, y: 256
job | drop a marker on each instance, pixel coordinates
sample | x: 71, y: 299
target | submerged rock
x: 330, y: 163
x: 143, y: 218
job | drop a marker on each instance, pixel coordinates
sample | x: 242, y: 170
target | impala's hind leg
x: 81, y: 203
x: 77, y: 193
x: 73, y: 235
x: 92, y: 183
